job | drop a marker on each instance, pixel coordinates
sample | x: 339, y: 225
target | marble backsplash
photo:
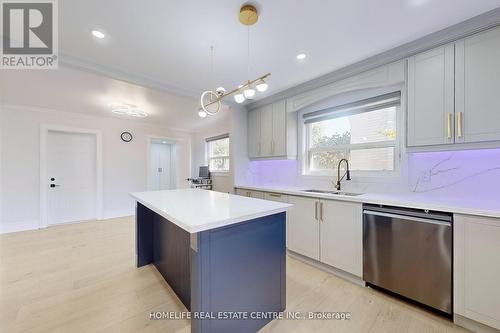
x: 468, y: 173
x: 471, y: 173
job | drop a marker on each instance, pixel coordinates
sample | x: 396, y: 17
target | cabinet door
x: 341, y: 239
x: 303, y: 233
x: 266, y: 132
x: 431, y: 97
x: 477, y: 82
x: 477, y: 268
x: 279, y: 129
x: 254, y: 133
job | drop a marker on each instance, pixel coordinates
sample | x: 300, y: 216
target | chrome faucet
x: 347, y: 173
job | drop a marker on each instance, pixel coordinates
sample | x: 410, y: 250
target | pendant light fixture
x: 210, y: 101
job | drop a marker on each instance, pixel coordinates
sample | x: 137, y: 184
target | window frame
x: 396, y: 144
x: 208, y: 159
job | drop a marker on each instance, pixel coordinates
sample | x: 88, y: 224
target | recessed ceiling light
x: 129, y: 110
x: 301, y: 56
x: 98, y: 34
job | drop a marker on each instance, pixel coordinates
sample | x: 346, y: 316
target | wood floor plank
x: 82, y: 278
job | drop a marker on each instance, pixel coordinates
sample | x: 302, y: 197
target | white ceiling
x: 168, y: 42
x: 67, y: 89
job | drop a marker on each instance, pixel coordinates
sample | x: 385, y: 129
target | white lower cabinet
x: 328, y: 231
x: 303, y: 226
x: 477, y: 269
x: 341, y: 235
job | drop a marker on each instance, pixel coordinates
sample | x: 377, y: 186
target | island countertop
x: 196, y: 210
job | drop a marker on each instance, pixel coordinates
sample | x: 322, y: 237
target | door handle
x: 459, y: 124
x: 316, y: 210
x: 54, y: 185
x: 321, y: 212
x: 449, y: 125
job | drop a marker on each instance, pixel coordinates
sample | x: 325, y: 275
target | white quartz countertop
x: 196, y: 210
x: 460, y: 205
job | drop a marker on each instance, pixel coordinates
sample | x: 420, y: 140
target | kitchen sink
x: 334, y: 192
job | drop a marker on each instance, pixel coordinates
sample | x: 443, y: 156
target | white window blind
x: 364, y: 132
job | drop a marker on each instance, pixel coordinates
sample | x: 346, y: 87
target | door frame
x: 44, y: 183
x: 173, y: 164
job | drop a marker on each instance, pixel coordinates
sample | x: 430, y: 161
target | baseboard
x: 327, y: 268
x: 10, y: 227
x: 472, y: 325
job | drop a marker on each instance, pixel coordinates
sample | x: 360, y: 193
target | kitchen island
x: 222, y: 254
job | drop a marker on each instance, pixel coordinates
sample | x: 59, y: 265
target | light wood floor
x: 81, y: 278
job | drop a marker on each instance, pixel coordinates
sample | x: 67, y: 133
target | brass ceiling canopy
x: 248, y: 15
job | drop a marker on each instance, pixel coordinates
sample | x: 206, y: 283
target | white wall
x: 222, y: 182
x: 124, y: 164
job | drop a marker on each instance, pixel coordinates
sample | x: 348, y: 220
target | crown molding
x: 455, y: 32
x: 114, y: 73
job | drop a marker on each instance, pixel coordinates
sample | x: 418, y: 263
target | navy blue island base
x: 219, y: 273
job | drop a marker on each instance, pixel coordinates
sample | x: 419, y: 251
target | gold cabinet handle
x: 321, y: 211
x: 459, y: 124
x: 275, y: 195
x: 316, y: 210
x: 449, y: 125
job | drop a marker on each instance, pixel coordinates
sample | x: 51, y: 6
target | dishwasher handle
x: 406, y: 217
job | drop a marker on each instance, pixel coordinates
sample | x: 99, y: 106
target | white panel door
x: 303, y: 231
x: 161, y: 167
x: 71, y: 175
x: 254, y: 133
x: 477, y: 92
x: 279, y: 129
x: 341, y: 236
x: 431, y: 97
x: 477, y: 269
x: 266, y: 131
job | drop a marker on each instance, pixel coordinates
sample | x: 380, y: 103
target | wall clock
x: 126, y: 136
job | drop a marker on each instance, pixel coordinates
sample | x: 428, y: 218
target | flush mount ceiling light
x: 128, y: 110
x: 98, y: 34
x: 210, y: 101
x: 301, y: 56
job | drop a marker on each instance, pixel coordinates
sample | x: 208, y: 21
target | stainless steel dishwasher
x: 409, y: 252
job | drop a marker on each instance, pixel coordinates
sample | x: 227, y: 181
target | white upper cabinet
x: 254, y: 134
x: 279, y: 129
x: 453, y: 95
x: 431, y: 97
x: 266, y: 131
x: 272, y: 132
x: 477, y: 87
